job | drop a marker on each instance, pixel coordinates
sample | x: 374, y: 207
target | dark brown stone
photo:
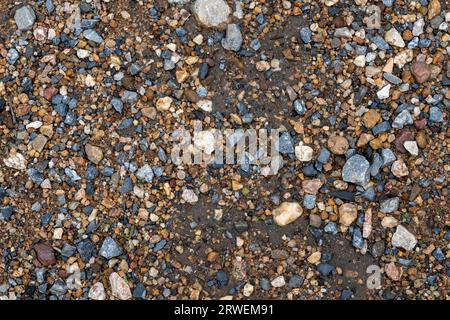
x: 45, y: 254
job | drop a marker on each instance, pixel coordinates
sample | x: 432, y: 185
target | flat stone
x: 399, y: 169
x: 38, y: 143
x: 278, y: 282
x: 371, y: 118
x: 392, y: 271
x: 211, y: 13
x: 347, y: 214
x: 403, y: 238
x: 394, y: 38
x: 287, y: 213
x: 119, y: 288
x: 411, y: 147
x: 390, y: 205
x: 110, y: 248
x: 233, y: 39
x: 338, y: 144
x: 145, y: 173
x: 421, y: 71
x: 94, y: 154
x: 356, y: 170
x: 92, y: 35
x: 16, y: 161
x: 304, y: 153
x: 434, y: 9
x: 384, y: 92
x: 97, y: 292
x: 311, y: 186
x: 24, y: 18
x: 189, y: 196
x: 45, y: 254
x: 403, y: 118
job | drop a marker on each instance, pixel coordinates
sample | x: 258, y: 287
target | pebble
x: 411, y: 147
x: 338, y: 145
x: 347, y: 214
x: 421, y: 71
x: 94, y: 153
x: 390, y: 205
x: 393, y: 37
x: 403, y: 238
x: 211, y: 13
x: 45, y: 254
x: 287, y: 213
x: 356, y: 170
x: 399, y: 168
x: 278, y: 282
x: 110, y: 248
x: 97, y: 292
x: 233, y: 39
x: 119, y: 288
x: 24, y: 18
x: 304, y: 153
x: 189, y: 196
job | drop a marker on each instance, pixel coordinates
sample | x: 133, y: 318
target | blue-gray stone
x: 110, y: 248
x: 404, y: 118
x: 59, y: 288
x: 439, y: 255
x: 255, y: 44
x: 12, y: 56
x: 357, y: 241
x: 331, y: 227
x: 309, y: 201
x: 49, y: 6
x: 86, y: 249
x: 6, y: 212
x: 129, y: 97
x: 324, y: 156
x: 380, y: 43
x: 376, y: 165
x: 72, y: 174
x: 139, y: 291
x: 145, y: 173
x: 305, y: 35
x: 300, y: 107
x: 326, y: 269
x: 92, y: 35
x: 388, y: 156
x: 436, y: 115
x: 68, y: 250
x: 356, y: 170
x: 295, y: 281
x: 381, y: 127
x: 160, y: 245
x: 390, y: 205
x: 286, y: 146
x: 127, y: 185
x: 24, y: 18
x: 233, y: 39
x: 35, y: 176
x: 117, y: 104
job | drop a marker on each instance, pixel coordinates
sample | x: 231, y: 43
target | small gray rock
x: 25, y: 18
x: 110, y: 248
x: 390, y: 205
x: 388, y: 156
x: 403, y: 119
x: 233, y: 39
x: 92, y: 35
x: 145, y: 173
x: 356, y: 170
